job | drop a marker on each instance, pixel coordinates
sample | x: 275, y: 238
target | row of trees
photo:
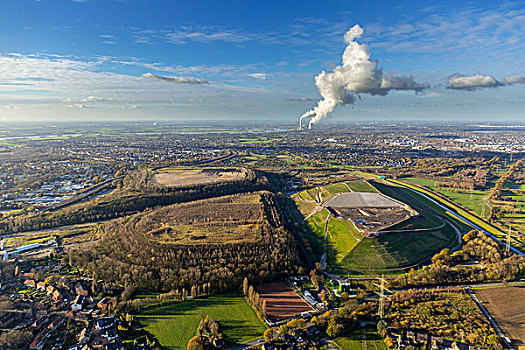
x: 254, y: 299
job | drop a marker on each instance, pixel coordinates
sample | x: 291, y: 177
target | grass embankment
x: 466, y: 214
x: 342, y: 238
x: 472, y: 199
x: 391, y: 251
x: 174, y: 325
x: 360, y: 186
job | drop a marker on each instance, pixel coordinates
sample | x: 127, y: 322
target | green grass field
x: 337, y: 188
x: 469, y: 216
x: 395, y: 250
x: 342, y: 238
x: 366, y: 338
x: 317, y: 222
x: 174, y: 325
x: 361, y: 186
x: 473, y: 200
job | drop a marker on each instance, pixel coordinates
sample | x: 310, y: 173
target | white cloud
x: 79, y: 105
x: 175, y: 79
x: 514, y: 79
x: 461, y: 82
x: 88, y: 99
x: 488, y: 36
x: 260, y: 76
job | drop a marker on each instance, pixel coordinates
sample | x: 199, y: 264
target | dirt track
x: 281, y: 301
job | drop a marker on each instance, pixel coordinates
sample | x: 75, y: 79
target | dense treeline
x: 125, y: 256
x: 134, y: 194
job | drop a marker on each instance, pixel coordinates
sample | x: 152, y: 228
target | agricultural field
x: 256, y: 141
x: 173, y: 177
x: 361, y: 339
x: 174, y: 325
x: 517, y: 240
x: 507, y: 307
x: 281, y: 301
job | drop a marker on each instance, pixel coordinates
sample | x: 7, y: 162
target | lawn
x: 342, y: 238
x: 473, y: 200
x: 365, y: 338
x: 337, y: 188
x: 317, y: 222
x: 369, y: 254
x: 174, y: 325
x: 360, y: 186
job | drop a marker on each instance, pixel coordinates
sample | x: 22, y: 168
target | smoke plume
x: 358, y: 74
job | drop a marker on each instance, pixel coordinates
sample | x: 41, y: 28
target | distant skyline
x: 111, y: 60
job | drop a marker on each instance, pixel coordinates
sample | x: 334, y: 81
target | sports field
x: 174, y: 325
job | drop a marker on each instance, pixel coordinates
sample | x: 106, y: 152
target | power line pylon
x: 382, y: 296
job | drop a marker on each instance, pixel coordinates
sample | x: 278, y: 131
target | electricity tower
x: 382, y: 296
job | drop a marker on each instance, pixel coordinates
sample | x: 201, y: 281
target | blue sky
x: 252, y: 60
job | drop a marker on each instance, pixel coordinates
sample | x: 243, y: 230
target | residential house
x: 78, y: 303
x: 50, y: 289
x: 30, y: 283
x: 41, y: 286
x: 81, y: 289
x: 104, y: 323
